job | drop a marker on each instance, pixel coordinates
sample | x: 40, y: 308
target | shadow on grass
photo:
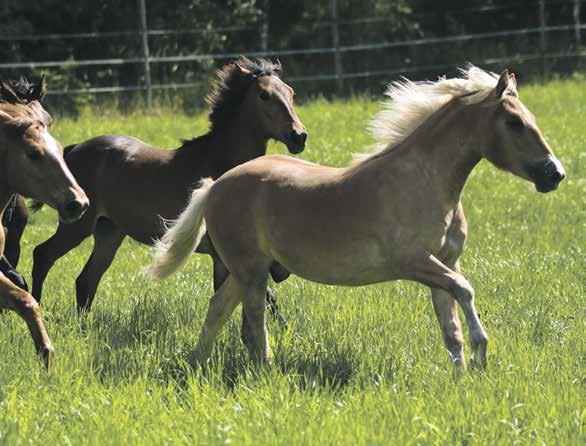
x: 153, y: 344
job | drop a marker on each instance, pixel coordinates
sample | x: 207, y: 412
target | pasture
x: 355, y: 365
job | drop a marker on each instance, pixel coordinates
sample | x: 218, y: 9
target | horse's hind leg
x: 107, y: 240
x: 255, y: 274
x: 15, y: 299
x: 222, y: 304
x: 66, y: 238
x: 221, y: 273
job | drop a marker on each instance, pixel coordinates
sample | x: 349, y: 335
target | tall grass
x: 355, y: 365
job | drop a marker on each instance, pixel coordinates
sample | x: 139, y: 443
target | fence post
x: 336, y: 43
x: 264, y: 27
x: 145, y: 51
x: 542, y: 41
x: 577, y: 30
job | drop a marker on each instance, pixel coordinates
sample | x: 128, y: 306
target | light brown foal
x: 31, y: 162
x: 398, y: 210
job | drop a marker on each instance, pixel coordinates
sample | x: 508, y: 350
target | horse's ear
x: 40, y: 90
x: 513, y: 80
x: 8, y: 93
x: 502, y: 84
x: 278, y: 68
x: 243, y: 70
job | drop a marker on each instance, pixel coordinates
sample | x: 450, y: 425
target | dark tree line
x: 235, y: 26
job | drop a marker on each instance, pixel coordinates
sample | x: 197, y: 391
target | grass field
x: 355, y: 365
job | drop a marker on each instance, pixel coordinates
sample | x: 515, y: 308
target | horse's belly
x: 345, y: 263
x: 143, y: 221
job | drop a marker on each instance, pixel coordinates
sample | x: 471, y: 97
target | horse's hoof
x: 197, y: 360
x: 478, y: 363
x: 47, y: 353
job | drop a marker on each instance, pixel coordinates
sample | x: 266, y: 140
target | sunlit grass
x: 356, y: 365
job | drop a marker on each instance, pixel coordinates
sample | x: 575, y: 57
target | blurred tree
x: 235, y: 26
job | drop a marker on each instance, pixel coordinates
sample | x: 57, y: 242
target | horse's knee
x: 26, y: 306
x: 462, y: 290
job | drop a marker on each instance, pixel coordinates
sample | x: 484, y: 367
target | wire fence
x: 542, y: 52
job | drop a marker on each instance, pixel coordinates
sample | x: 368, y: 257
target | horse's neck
x: 439, y: 155
x: 240, y: 142
x: 225, y: 147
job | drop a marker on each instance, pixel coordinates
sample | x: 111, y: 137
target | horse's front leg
x: 18, y: 300
x: 446, y: 311
x: 427, y: 269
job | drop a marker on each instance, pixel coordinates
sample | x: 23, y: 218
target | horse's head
x: 272, y: 101
x: 515, y: 143
x: 31, y: 159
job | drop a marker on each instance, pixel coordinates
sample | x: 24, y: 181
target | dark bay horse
x: 134, y: 187
x: 396, y: 214
x: 31, y: 162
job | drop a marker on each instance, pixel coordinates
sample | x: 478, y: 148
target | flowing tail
x: 183, y: 236
x: 36, y: 205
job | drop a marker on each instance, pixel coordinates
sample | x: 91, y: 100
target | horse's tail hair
x: 36, y: 205
x: 183, y: 236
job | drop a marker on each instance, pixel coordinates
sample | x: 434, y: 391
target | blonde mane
x: 412, y: 103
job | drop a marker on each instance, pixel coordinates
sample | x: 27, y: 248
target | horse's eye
x: 264, y: 95
x: 516, y: 124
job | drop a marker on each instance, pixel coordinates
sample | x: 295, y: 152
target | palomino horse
x: 32, y: 164
x: 395, y: 214
x: 134, y: 188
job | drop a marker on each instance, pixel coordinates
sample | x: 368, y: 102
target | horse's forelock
x: 232, y: 82
x: 21, y: 91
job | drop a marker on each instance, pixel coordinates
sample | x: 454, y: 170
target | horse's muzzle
x: 73, y: 209
x: 296, y: 141
x: 548, y: 174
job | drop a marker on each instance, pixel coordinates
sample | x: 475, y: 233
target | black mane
x: 231, y: 84
x: 21, y: 91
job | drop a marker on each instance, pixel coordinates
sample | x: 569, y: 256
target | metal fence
x: 337, y: 52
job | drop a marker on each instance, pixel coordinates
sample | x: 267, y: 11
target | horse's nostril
x: 298, y: 137
x: 557, y: 176
x: 74, y: 206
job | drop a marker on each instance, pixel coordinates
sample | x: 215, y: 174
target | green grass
x: 356, y: 365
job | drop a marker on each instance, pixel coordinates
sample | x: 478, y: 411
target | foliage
x: 356, y: 365
x: 236, y: 26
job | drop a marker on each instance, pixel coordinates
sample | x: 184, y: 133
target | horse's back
x: 124, y: 148
x: 282, y: 169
